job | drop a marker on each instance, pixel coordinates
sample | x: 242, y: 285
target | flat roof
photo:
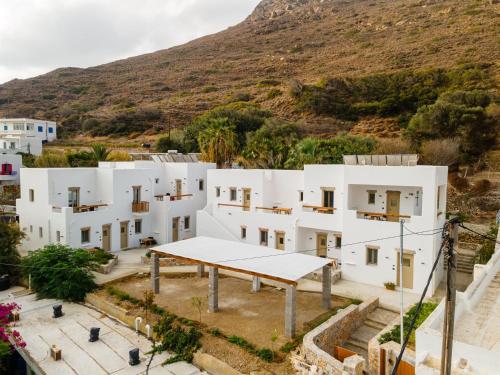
x: 283, y: 266
x: 107, y: 356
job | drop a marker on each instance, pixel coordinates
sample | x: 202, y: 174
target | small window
x: 371, y: 197
x: 243, y: 233
x: 138, y: 226
x: 201, y: 185
x: 157, y: 180
x: 5, y: 127
x: 217, y: 191
x: 18, y: 126
x: 51, y: 130
x: 301, y: 196
x: 263, y: 237
x: 438, y: 197
x: 40, y: 232
x: 58, y: 236
x: 30, y: 127
x: 32, y: 195
x: 31, y: 228
x: 232, y: 194
x: 40, y: 129
x: 85, y: 235
x: 187, y: 222
x: 328, y: 198
x: 371, y: 255
x: 338, y: 242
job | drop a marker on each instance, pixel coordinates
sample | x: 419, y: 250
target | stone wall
x: 316, y: 356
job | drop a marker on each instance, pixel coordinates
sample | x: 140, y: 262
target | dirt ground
x: 253, y: 316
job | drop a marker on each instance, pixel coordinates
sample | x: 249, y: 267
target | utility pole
x: 402, y: 335
x: 450, y: 258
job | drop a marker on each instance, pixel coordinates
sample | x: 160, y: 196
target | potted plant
x: 390, y: 285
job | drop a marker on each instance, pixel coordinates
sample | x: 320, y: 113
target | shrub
x: 10, y: 237
x: 458, y: 182
x: 241, y: 342
x: 79, y: 159
x: 356, y: 301
x: 165, y: 143
x: 266, y: 354
x: 274, y: 93
x: 59, y: 272
x: 215, y: 332
x: 481, y: 186
x: 440, y: 152
x: 392, y: 146
x: 487, y: 248
x: 390, y: 285
x: 117, y: 155
x: 289, y: 346
x: 101, y: 256
x: 51, y: 160
x: 90, y: 124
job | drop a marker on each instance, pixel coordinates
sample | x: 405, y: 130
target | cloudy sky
x: 37, y: 36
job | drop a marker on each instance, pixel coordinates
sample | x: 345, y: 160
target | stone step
x: 382, y: 316
x: 364, y: 334
x: 356, y: 346
x: 374, y: 324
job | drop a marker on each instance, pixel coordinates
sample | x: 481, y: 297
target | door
x: 74, y: 197
x: 136, y: 194
x: 280, y: 240
x: 175, y: 229
x: 321, y: 247
x: 393, y: 205
x: 407, y: 271
x: 246, y: 199
x: 124, y: 235
x: 178, y: 188
x: 106, y: 237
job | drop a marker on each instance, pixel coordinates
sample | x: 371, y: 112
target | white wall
x: 44, y: 130
x: 16, y: 162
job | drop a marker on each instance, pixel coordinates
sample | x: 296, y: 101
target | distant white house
x: 336, y: 211
x: 10, y: 165
x: 113, y: 206
x: 46, y: 131
x: 20, y: 143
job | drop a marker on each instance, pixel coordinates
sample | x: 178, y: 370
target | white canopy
x: 284, y: 266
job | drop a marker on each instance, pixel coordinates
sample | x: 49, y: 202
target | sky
x: 37, y: 36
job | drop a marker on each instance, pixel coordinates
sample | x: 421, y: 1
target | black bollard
x: 94, y: 334
x: 57, y: 311
x: 134, y: 357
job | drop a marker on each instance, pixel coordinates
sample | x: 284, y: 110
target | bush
x: 59, y: 272
x: 117, y: 155
x: 10, y: 237
x: 51, y: 160
x: 274, y: 93
x: 458, y: 182
x: 481, y: 186
x: 241, y: 342
x: 390, y: 146
x: 487, y: 248
x: 101, y: 256
x: 440, y: 152
x: 266, y: 354
x: 81, y: 159
x: 165, y: 143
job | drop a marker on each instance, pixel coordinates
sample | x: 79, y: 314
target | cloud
x: 37, y: 36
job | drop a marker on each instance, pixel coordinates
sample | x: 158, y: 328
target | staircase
x: 375, y: 322
x: 466, y: 255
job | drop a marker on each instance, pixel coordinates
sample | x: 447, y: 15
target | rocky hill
x: 281, y: 40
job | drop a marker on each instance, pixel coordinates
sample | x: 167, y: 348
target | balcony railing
x: 244, y: 207
x: 172, y: 198
x: 81, y: 208
x: 140, y: 207
x: 320, y: 209
x: 380, y: 216
x: 276, y: 210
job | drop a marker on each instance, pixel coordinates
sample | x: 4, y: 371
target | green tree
x: 166, y: 143
x: 269, y: 147
x: 60, y: 272
x: 99, y: 152
x: 81, y: 159
x: 217, y: 142
x: 10, y: 238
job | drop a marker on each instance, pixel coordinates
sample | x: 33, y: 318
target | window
x: 12, y: 145
x: 243, y: 233
x: 301, y: 196
x: 371, y: 197
x: 328, y: 198
x: 40, y: 232
x: 73, y: 197
x: 372, y: 255
x: 187, y: 222
x: 51, y: 130
x: 31, y: 195
x: 263, y: 237
x: 157, y: 180
x: 338, y: 242
x: 217, y: 191
x: 136, y: 194
x: 201, y: 185
x: 18, y: 126
x: 5, y: 127
x: 438, y: 197
x: 85, y: 235
x: 31, y: 228
x: 40, y: 129
x: 138, y: 226
x: 232, y: 194
x: 58, y: 236
x: 30, y: 127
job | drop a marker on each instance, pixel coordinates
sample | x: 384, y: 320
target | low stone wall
x: 319, y: 344
x: 164, y: 262
x: 318, y: 276
x: 106, y: 268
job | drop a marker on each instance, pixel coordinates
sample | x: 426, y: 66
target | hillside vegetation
x: 329, y: 65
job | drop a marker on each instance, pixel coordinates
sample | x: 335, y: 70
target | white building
x: 113, y: 206
x: 46, y: 131
x: 17, y: 143
x: 10, y: 165
x: 339, y: 211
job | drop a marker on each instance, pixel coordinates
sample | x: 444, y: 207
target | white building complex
x: 10, y: 166
x: 114, y: 206
x: 26, y: 135
x: 337, y: 211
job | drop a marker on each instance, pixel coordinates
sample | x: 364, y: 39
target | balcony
x: 231, y: 205
x: 275, y: 210
x: 140, y: 207
x: 318, y: 209
x: 79, y: 209
x: 173, y: 198
x: 380, y: 216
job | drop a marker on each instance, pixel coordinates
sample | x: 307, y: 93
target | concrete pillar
x: 213, y: 289
x: 200, y: 270
x: 290, y: 311
x: 256, y: 284
x: 155, y: 273
x: 327, y: 287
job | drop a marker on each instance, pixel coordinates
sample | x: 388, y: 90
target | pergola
x: 258, y: 261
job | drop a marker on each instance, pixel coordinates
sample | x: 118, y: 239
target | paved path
x: 130, y: 263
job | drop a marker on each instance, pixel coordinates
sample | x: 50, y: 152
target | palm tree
x: 99, y: 152
x: 218, y: 142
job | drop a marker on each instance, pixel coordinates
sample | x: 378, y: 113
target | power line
x: 479, y: 234
x: 419, y: 306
